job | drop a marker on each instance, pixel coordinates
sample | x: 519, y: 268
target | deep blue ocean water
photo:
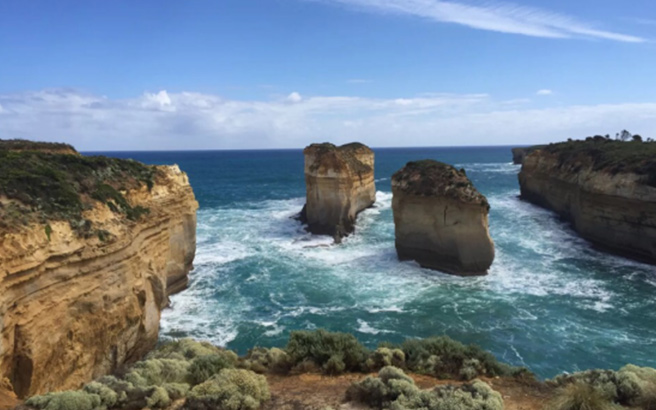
x: 550, y: 302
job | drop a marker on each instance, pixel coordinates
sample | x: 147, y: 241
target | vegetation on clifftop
x: 43, y: 182
x: 612, y: 156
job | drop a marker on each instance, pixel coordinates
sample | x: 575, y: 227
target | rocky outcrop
x: 440, y: 219
x: 520, y: 153
x: 79, y: 297
x: 606, y: 189
x: 340, y: 184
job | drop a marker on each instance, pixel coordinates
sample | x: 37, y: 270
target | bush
x: 231, y: 389
x: 446, y: 358
x: 393, y: 389
x: 188, y: 349
x: 333, y: 352
x: 580, y: 396
x: 108, y: 397
x: 204, y: 367
x: 158, y: 398
x: 156, y: 372
x: 384, y: 356
x: 261, y: 360
x: 66, y: 400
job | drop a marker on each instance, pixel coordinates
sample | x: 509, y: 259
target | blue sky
x: 284, y: 73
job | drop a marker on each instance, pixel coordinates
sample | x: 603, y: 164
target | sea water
x: 550, y: 302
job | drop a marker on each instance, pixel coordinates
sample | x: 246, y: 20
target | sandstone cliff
x: 340, y: 184
x: 520, y: 153
x: 90, y: 249
x: 440, y: 219
x: 607, y: 189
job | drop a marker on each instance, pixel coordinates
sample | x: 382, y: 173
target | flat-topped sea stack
x: 605, y: 188
x: 440, y: 219
x: 340, y: 184
x: 90, y: 250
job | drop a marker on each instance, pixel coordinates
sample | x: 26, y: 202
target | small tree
x: 623, y: 136
x: 637, y: 138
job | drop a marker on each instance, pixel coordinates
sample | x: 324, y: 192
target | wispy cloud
x: 187, y: 120
x: 493, y: 16
x: 544, y: 92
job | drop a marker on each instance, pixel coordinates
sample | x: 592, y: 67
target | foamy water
x: 550, y: 301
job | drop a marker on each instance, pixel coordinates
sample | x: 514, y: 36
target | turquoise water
x: 550, y: 302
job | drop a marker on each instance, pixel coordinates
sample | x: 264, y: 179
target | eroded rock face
x: 520, y: 153
x: 613, y: 206
x: 440, y: 219
x: 340, y: 184
x: 74, y: 307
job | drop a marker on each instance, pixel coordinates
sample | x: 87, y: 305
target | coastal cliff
x: 440, y: 219
x: 340, y: 184
x: 522, y: 152
x: 90, y: 250
x: 605, y: 188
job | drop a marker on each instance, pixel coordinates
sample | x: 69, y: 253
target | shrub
x: 580, y: 396
x: 392, y: 389
x: 176, y: 390
x: 158, y: 398
x: 447, y: 358
x: 333, y: 352
x: 155, y: 372
x: 66, y: 400
x: 261, y: 360
x: 187, y: 349
x: 231, y: 389
x: 384, y: 356
x: 108, y: 397
x: 204, y: 367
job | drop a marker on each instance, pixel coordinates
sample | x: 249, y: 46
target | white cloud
x: 493, y: 16
x: 545, y: 92
x: 202, y: 121
x: 294, y: 97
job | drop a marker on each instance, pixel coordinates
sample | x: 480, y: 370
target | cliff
x: 440, y: 219
x: 605, y: 188
x: 522, y: 152
x: 340, y: 184
x: 90, y: 249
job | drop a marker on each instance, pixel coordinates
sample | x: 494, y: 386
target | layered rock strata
x: 79, y: 298
x: 606, y: 189
x: 440, y: 219
x: 340, y: 184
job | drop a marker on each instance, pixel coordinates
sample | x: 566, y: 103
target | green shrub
x: 66, y: 400
x: 446, y: 358
x: 384, y: 356
x: 108, y: 397
x: 158, y: 398
x: 333, y: 352
x: 393, y: 389
x: 176, y: 390
x: 187, y: 349
x: 231, y: 389
x: 261, y: 360
x: 155, y: 372
x: 204, y: 367
x: 580, y: 396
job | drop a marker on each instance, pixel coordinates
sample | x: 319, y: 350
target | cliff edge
x: 90, y: 249
x: 605, y: 188
x: 340, y: 184
x: 440, y: 219
x: 520, y: 153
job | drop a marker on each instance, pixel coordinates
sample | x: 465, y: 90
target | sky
x: 255, y: 74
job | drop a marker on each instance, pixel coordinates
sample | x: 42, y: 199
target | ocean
x: 551, y: 302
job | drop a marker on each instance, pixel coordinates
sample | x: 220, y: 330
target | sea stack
x: 440, y: 219
x: 340, y: 184
x: 605, y: 188
x: 90, y: 250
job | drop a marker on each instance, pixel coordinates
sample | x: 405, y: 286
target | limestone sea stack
x: 440, y: 219
x: 605, y: 188
x: 340, y: 184
x: 90, y: 250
